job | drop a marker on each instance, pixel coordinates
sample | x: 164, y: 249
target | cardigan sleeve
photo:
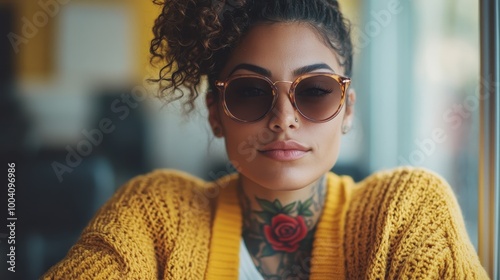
x: 142, y: 232
x: 115, y: 237
x: 407, y: 224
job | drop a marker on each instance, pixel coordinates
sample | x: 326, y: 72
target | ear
x: 349, y: 111
x: 214, y: 114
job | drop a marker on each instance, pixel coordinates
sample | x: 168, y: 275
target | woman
x: 278, y: 94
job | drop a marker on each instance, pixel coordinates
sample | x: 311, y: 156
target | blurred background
x: 76, y: 118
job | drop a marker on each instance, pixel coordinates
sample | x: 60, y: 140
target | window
x: 421, y: 71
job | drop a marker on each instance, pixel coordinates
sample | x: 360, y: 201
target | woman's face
x: 280, y: 49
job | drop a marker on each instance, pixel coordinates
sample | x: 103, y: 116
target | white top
x: 248, y: 271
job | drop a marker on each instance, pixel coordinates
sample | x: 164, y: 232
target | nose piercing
x: 296, y: 120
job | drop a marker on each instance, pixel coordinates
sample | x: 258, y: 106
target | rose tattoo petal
x: 285, y: 232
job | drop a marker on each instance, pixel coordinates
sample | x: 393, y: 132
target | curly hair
x: 193, y: 39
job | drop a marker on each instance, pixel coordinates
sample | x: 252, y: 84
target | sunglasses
x: 318, y: 97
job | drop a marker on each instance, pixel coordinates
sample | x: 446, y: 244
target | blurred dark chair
x: 126, y: 145
x: 53, y: 213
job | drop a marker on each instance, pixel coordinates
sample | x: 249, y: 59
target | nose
x: 283, y: 114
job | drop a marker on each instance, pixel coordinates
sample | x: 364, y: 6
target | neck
x: 278, y: 226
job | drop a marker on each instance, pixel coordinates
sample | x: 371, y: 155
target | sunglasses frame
x: 344, y: 83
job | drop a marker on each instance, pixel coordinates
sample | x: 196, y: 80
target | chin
x: 282, y: 179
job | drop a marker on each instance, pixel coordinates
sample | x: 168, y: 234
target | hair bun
x: 187, y: 36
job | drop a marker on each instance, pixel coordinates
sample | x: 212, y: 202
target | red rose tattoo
x: 285, y: 232
x: 283, y: 227
x: 282, y: 231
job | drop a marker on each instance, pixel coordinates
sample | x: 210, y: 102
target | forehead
x: 281, y: 48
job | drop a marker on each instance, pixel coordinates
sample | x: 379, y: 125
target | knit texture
x: 399, y: 224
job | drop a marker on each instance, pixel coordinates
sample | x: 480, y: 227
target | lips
x: 284, y: 150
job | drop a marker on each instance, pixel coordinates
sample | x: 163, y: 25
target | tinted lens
x: 249, y: 98
x: 318, y: 97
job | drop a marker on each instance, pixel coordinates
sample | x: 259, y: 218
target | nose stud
x: 296, y: 120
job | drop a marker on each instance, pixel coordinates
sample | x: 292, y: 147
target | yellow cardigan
x: 399, y: 224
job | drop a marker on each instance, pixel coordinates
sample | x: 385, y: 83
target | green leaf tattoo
x: 265, y: 216
x: 307, y: 213
x: 283, y: 232
x: 267, y: 206
x: 288, y: 208
x: 307, y: 203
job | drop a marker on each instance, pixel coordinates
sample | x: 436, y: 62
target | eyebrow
x: 310, y: 68
x: 266, y: 72
x: 251, y: 67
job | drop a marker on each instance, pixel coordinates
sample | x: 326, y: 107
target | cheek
x: 326, y: 139
x: 241, y: 140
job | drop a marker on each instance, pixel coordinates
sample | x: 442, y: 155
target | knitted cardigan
x: 399, y: 224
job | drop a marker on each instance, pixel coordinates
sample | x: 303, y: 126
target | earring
x: 217, y: 131
x: 345, y: 128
